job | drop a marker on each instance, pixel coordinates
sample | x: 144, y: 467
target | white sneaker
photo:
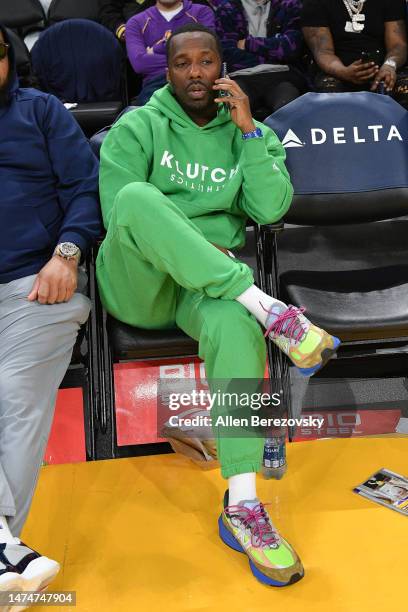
x: 23, y: 569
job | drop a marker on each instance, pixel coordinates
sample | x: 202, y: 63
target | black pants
x: 269, y: 91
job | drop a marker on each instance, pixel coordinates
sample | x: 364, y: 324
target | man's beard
x: 204, y: 107
x: 5, y: 92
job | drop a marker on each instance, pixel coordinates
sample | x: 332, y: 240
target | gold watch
x: 68, y: 250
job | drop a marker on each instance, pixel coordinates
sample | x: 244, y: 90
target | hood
x: 13, y: 80
x: 164, y: 101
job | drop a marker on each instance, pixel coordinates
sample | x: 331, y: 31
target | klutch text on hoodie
x: 196, y: 176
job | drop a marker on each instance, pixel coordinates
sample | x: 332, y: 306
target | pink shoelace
x: 293, y: 330
x: 258, y: 522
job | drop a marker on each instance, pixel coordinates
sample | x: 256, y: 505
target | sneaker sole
x: 228, y: 539
x: 36, y: 577
x: 327, y: 354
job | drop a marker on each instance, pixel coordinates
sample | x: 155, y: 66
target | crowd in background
x: 276, y: 49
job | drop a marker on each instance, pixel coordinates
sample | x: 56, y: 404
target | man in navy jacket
x: 49, y: 216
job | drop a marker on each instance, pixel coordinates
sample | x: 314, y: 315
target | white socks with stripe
x: 241, y: 487
x: 258, y: 303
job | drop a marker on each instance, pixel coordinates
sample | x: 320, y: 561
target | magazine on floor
x: 386, y: 488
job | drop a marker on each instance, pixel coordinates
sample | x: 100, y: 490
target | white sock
x: 256, y: 300
x: 5, y: 534
x: 241, y: 487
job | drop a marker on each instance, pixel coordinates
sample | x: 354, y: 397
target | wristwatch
x: 68, y: 250
x: 392, y: 63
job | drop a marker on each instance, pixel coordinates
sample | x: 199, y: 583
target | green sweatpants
x: 155, y: 269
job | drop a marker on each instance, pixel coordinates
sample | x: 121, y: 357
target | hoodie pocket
x: 22, y: 229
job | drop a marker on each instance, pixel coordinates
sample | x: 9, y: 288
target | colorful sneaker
x: 23, y: 569
x: 247, y: 528
x: 308, y: 347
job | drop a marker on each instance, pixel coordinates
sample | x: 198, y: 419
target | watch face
x: 68, y: 249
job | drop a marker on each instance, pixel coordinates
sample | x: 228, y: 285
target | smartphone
x: 381, y: 89
x: 222, y: 92
x: 371, y: 56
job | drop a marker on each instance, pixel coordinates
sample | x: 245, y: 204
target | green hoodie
x: 214, y: 176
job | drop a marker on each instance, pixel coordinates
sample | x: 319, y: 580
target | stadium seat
x: 81, y: 62
x: 344, y: 256
x: 60, y: 10
x: 22, y: 15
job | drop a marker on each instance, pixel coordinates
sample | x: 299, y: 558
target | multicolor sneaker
x: 23, y: 569
x: 308, y: 347
x: 247, y: 528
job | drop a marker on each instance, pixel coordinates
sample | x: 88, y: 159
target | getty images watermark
x: 205, y: 400
x: 236, y: 408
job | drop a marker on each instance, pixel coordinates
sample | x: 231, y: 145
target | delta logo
x: 344, y: 135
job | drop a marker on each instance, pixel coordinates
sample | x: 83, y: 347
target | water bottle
x: 274, y: 459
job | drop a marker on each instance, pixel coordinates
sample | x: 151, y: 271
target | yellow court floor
x: 141, y: 533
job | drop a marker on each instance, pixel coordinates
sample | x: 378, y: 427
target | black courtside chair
x: 83, y: 371
x: 23, y: 16
x: 343, y: 254
x: 72, y: 9
x: 82, y: 63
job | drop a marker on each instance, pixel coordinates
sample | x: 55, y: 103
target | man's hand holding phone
x: 359, y: 72
x: 238, y: 103
x: 386, y: 75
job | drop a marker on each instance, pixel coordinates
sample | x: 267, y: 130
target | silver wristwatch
x: 68, y: 250
x: 392, y: 63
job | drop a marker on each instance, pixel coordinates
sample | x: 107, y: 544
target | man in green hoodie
x: 179, y: 177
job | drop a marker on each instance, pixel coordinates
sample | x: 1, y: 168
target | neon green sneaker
x: 247, y: 528
x: 308, y: 347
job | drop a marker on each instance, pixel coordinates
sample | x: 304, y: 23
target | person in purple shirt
x: 147, y: 34
x: 263, y: 39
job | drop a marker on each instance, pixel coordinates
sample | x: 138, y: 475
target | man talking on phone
x: 358, y: 45
x: 179, y: 177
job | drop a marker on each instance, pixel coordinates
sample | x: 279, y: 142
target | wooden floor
x: 141, y: 534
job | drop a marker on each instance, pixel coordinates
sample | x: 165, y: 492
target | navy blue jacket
x: 48, y: 180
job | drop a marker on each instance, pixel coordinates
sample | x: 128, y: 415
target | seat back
x: 346, y: 154
x: 22, y: 13
x: 79, y: 61
x: 72, y: 9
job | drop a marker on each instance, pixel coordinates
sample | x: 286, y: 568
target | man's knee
x: 81, y: 307
x: 134, y: 203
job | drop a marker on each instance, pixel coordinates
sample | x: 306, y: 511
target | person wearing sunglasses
x: 49, y: 215
x: 3, y: 50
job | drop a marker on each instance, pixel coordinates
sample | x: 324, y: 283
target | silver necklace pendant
x: 355, y: 26
x: 354, y: 8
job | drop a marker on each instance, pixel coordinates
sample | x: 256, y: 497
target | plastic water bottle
x: 274, y: 458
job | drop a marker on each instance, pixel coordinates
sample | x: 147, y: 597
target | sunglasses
x: 3, y: 50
